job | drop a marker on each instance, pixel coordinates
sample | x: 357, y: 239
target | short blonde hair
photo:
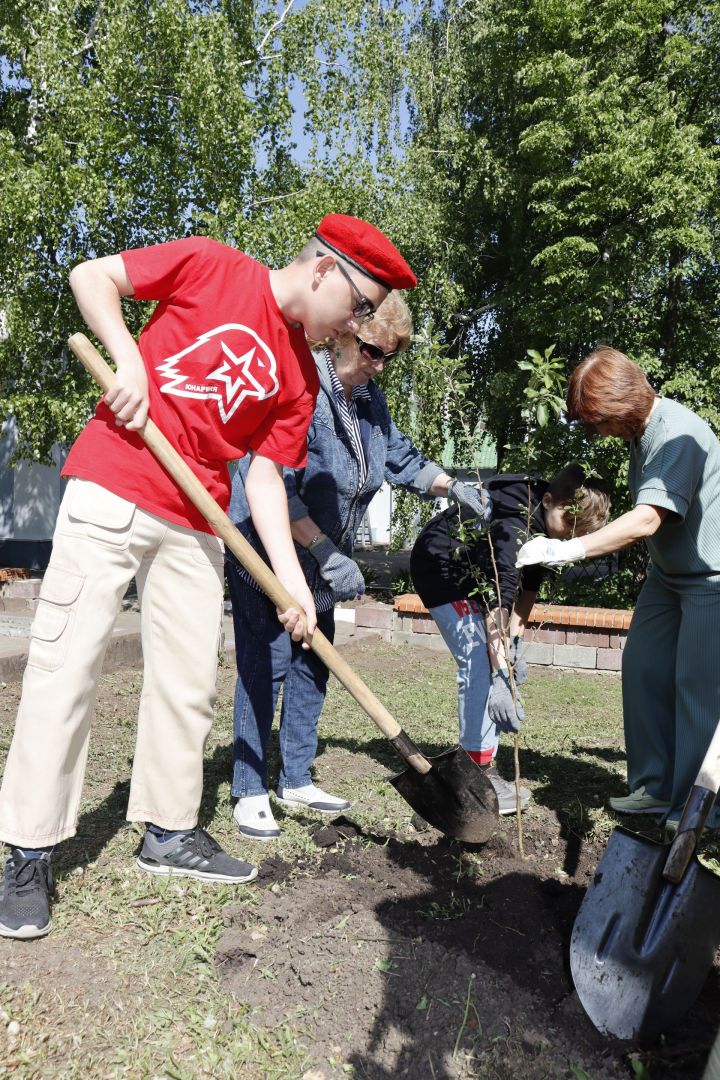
x: 392, y: 315
x: 586, y: 498
x: 395, y: 316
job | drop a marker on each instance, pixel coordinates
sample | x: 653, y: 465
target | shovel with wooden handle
x: 646, y: 933
x: 449, y: 790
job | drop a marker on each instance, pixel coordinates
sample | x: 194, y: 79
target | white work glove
x: 541, y: 549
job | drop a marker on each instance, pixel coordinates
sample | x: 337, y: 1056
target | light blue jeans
x: 462, y: 625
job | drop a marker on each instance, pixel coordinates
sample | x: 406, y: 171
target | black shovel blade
x: 641, y: 948
x: 455, y: 796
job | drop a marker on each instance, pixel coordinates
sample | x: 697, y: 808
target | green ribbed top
x: 676, y: 465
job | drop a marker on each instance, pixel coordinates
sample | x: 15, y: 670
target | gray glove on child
x: 502, y: 710
x: 518, y: 661
x: 338, y: 570
x: 470, y: 498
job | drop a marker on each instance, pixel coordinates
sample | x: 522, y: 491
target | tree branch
x: 274, y: 27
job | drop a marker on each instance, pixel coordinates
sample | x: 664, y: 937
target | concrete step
x: 124, y: 649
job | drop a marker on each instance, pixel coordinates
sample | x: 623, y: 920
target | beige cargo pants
x: 101, y: 542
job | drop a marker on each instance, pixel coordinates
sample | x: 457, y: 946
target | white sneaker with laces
x: 254, y: 818
x: 311, y: 797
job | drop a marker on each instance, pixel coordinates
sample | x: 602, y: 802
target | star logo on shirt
x: 228, y: 364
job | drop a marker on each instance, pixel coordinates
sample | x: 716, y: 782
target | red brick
x: 549, y: 635
x: 588, y: 637
x: 409, y: 603
x: 560, y: 615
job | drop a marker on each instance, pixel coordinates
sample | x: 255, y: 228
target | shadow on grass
x: 569, y: 785
x: 99, y: 825
x: 563, y: 774
x: 517, y: 926
x: 488, y: 942
x: 96, y: 828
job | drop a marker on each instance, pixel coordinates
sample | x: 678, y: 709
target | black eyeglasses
x: 374, y: 351
x: 364, y: 310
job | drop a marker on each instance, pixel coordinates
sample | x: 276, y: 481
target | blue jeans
x: 266, y: 658
x: 462, y: 625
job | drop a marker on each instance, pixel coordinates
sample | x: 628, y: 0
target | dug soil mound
x: 421, y: 958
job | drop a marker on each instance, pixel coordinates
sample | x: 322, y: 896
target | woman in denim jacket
x: 353, y: 446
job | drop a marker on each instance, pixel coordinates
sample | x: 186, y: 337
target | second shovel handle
x: 697, y: 810
x: 223, y: 527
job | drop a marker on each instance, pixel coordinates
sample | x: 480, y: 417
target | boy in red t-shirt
x: 224, y: 369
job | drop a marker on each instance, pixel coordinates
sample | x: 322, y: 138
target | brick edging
x: 591, y: 639
x: 554, y: 614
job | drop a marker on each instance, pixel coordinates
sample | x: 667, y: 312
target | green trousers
x: 671, y: 684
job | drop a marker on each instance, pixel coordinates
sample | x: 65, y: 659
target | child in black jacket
x: 467, y: 579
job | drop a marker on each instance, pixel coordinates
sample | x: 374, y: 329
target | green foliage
x: 427, y: 390
x: 122, y: 125
x: 619, y: 590
x: 369, y: 573
x: 544, y: 392
x: 578, y: 1072
x: 640, y: 1070
x: 579, y: 143
x: 401, y: 583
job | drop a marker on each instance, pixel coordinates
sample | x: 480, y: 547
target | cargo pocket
x: 52, y: 624
x: 96, y: 514
x: 211, y: 550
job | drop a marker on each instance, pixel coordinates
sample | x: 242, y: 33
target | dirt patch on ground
x: 73, y: 972
x: 419, y: 958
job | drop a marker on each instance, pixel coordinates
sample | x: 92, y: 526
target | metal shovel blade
x: 641, y: 947
x: 455, y: 796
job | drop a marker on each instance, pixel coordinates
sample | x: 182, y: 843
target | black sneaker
x: 196, y: 855
x: 25, y: 893
x: 505, y: 791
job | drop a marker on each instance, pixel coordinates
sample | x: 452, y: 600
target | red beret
x: 366, y: 248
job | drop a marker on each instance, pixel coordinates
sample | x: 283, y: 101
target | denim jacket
x: 327, y: 489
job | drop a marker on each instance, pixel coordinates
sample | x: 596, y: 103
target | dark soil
x: 420, y: 958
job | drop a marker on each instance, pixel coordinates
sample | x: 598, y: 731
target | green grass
x: 126, y: 984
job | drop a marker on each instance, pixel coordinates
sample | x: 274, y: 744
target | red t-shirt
x: 227, y: 373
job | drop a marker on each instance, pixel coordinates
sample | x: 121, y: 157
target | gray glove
x: 502, y: 710
x: 338, y: 570
x: 518, y: 661
x: 470, y: 498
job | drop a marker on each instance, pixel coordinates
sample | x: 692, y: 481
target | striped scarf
x: 348, y: 414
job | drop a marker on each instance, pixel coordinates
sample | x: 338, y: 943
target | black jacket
x: 447, y: 566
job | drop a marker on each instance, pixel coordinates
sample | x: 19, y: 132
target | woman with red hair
x: 671, y: 674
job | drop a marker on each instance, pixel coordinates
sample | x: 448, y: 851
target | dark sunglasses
x: 364, y: 310
x: 374, y: 351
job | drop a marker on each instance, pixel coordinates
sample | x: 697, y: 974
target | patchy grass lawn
x: 127, y: 984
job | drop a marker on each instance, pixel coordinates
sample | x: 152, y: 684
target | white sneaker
x: 254, y: 818
x: 312, y: 798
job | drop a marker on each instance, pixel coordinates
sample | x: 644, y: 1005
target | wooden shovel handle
x: 223, y: 527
